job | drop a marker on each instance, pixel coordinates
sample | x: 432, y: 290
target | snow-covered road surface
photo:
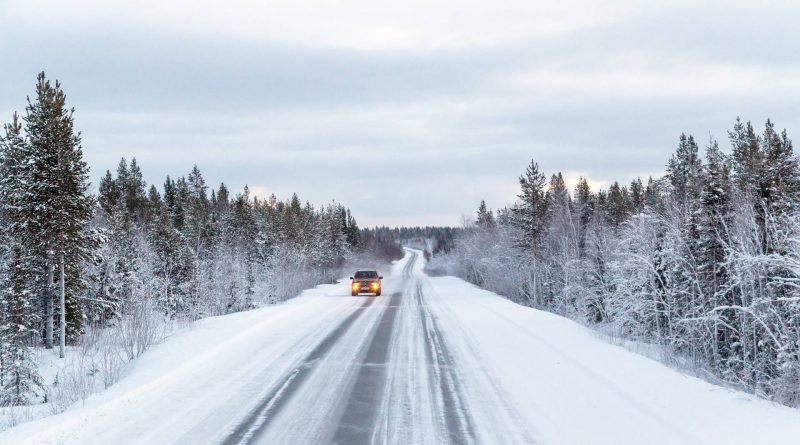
x: 433, y: 360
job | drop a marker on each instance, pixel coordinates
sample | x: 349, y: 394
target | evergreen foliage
x: 135, y: 257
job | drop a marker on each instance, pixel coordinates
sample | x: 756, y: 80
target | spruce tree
x: 781, y: 173
x: 197, y: 211
x: 122, y: 264
x: 485, y: 219
x: 223, y: 199
x: 714, y: 238
x: 748, y: 158
x: 154, y: 203
x: 584, y: 202
x: 108, y: 193
x: 684, y: 171
x: 531, y: 213
x: 171, y: 268
x: 637, y: 194
x: 18, y: 309
x: 618, y: 205
x: 353, y: 232
x: 558, y: 195
x: 652, y: 196
x: 59, y: 193
x: 170, y: 195
x: 134, y: 191
x: 20, y: 378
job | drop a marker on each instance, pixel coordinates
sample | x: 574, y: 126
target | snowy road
x: 382, y: 375
x: 434, y: 360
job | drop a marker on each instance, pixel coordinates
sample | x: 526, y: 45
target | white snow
x: 571, y: 387
x: 204, y: 375
x: 527, y: 377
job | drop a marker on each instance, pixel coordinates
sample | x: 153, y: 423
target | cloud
x: 411, y: 111
x: 355, y: 24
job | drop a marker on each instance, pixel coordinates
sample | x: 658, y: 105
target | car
x: 366, y: 282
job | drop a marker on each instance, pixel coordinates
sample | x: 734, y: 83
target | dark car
x: 366, y: 282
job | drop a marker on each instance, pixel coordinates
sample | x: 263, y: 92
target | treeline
x: 704, y: 261
x: 214, y: 253
x: 127, y: 261
x: 384, y: 246
x: 430, y: 239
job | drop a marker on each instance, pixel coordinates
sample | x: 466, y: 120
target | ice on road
x: 433, y: 360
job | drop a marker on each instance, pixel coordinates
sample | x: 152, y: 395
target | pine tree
x: 109, y: 193
x: 584, y: 202
x: 170, y: 195
x: 781, y: 173
x: 15, y: 177
x: 749, y: 172
x: 18, y: 315
x: 24, y: 186
x: 181, y: 202
x: 60, y: 193
x: 618, y: 205
x: 353, y: 232
x: 748, y: 159
x: 154, y: 203
x: 714, y: 239
x: 652, y: 196
x: 134, y: 192
x: 122, y: 264
x: 558, y: 195
x: 485, y: 219
x: 20, y: 378
x: 331, y: 245
x: 531, y: 213
x: 123, y: 182
x: 637, y: 194
x: 223, y: 199
x: 197, y: 211
x: 683, y: 172
x: 171, y: 267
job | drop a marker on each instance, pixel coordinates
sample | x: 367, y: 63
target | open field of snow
x: 433, y: 360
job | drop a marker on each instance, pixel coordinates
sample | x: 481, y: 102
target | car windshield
x: 366, y: 274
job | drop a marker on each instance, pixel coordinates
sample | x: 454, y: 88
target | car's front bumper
x: 366, y: 288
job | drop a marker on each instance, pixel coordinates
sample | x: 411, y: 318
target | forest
x: 703, y: 263
x: 113, y: 273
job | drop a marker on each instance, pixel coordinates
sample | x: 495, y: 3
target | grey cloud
x: 442, y: 128
x: 135, y: 72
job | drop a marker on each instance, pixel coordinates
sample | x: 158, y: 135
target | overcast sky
x: 408, y: 112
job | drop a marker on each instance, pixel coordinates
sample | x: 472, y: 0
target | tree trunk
x: 63, y: 315
x: 48, y: 308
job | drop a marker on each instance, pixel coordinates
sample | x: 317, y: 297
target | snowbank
x: 573, y: 388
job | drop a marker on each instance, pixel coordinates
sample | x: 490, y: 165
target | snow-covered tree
x: 485, y: 217
x: 137, y: 258
x: 531, y: 213
x: 19, y: 316
x: 19, y: 378
x: 59, y: 194
x: 701, y: 261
